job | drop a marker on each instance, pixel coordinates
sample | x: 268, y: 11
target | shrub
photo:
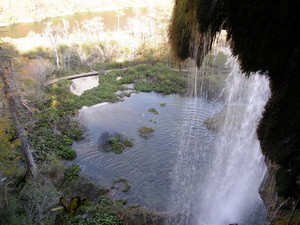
x: 72, y: 173
x: 39, y: 196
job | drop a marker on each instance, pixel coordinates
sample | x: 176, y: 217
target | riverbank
x: 10, y: 15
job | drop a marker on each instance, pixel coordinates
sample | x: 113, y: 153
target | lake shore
x: 4, y: 23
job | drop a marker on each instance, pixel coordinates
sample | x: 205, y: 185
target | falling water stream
x: 227, y: 190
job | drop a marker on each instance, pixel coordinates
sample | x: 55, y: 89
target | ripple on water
x: 148, y: 165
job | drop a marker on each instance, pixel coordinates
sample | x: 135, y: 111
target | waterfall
x: 226, y: 190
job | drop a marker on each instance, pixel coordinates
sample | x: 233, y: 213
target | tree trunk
x: 4, y: 72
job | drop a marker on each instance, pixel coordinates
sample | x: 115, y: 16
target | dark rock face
x: 265, y: 36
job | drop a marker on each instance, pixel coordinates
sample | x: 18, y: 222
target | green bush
x: 72, y: 173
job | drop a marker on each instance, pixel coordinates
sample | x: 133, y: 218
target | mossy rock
x: 128, y: 142
x: 153, y: 121
x: 215, y: 122
x: 145, y: 131
x: 153, y: 110
x: 114, y: 142
x: 116, y: 145
x: 163, y: 104
x: 121, y: 201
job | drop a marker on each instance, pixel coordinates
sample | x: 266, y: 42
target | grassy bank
x: 55, y: 128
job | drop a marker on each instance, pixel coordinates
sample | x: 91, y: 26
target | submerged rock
x: 216, y: 122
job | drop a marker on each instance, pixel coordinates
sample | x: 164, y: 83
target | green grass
x: 54, y: 129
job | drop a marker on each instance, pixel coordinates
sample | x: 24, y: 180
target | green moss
x: 153, y: 110
x: 294, y: 221
x: 146, y: 130
x: 159, y: 78
x: 114, y: 142
x: 121, y: 201
x: 128, y: 142
x: 163, y: 104
x: 125, y: 181
x: 153, y: 121
x: 116, y: 146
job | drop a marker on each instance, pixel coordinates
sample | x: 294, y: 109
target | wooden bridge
x: 71, y: 77
x: 79, y: 75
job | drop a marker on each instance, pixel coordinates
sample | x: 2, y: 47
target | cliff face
x: 265, y: 36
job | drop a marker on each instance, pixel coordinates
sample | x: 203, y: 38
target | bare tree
x: 13, y: 103
x: 40, y: 70
x: 39, y: 196
x: 53, y: 34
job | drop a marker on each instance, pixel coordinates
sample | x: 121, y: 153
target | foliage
x: 14, y: 11
x: 53, y: 168
x: 158, y: 77
x: 38, y: 197
x: 105, y: 201
x: 9, y: 156
x: 72, y: 172
x: 285, y: 219
x: 116, y: 146
x: 71, y: 207
x: 54, y: 128
x: 113, y: 142
x: 93, y: 215
x: 90, y: 43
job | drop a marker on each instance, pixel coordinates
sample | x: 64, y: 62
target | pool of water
x: 110, y: 20
x: 82, y: 84
x: 149, y: 164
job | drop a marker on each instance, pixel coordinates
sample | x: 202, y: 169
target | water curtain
x: 226, y: 190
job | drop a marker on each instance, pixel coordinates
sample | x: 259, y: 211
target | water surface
x: 149, y: 164
x: 110, y: 20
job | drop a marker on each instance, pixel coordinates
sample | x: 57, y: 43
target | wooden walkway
x: 71, y: 77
